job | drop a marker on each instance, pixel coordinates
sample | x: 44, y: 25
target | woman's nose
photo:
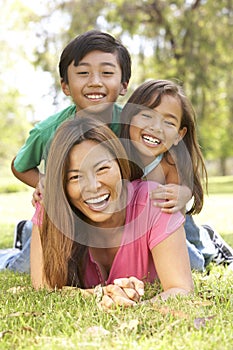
x: 91, y: 183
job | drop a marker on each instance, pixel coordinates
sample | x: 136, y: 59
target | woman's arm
x: 124, y: 291
x: 172, y: 265
x: 36, y: 259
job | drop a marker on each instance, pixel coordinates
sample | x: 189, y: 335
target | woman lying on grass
x: 97, y: 228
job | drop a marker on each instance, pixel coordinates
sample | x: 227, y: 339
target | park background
x: 189, y: 41
x: 186, y: 40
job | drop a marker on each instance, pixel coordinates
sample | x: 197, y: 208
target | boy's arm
x: 30, y: 177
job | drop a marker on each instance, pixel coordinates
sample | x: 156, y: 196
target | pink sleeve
x: 37, y: 217
x: 162, y: 226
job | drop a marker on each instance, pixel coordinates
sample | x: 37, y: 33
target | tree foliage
x: 187, y: 40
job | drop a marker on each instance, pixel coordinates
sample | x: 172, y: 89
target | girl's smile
x: 155, y: 131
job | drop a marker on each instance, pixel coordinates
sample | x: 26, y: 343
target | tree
x: 188, y: 40
x: 192, y: 42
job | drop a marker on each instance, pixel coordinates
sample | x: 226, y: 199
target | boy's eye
x: 108, y: 73
x: 82, y: 73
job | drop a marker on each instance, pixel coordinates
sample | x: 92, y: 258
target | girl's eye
x: 168, y: 122
x: 145, y: 115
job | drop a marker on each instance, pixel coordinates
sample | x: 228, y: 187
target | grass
x: 61, y: 320
x: 65, y: 320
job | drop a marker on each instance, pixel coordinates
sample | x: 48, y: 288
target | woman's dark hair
x: 63, y: 254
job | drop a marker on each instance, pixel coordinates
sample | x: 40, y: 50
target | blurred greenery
x: 189, y: 41
x: 220, y: 184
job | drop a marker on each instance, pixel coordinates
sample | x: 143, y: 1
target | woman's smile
x: 94, y: 183
x: 98, y: 203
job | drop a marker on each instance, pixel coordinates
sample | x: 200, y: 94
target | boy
x: 95, y: 69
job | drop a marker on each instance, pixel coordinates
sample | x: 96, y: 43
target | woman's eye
x: 74, y: 178
x: 103, y: 168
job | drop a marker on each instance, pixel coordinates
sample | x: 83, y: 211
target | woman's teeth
x: 97, y: 200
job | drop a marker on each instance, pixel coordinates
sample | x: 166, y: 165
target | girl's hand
x: 171, y: 197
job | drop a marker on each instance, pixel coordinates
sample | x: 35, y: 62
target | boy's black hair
x: 90, y: 41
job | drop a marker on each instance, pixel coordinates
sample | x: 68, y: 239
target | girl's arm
x: 172, y: 265
x: 171, y: 197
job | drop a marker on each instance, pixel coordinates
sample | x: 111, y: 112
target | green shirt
x: 33, y: 151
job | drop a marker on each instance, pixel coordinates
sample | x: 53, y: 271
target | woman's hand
x: 171, y: 197
x: 123, y: 292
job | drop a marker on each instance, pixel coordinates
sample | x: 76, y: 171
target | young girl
x: 159, y: 134
x: 97, y: 227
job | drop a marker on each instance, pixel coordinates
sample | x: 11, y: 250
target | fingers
x: 138, y: 285
x: 115, y: 295
x: 124, y: 292
x: 132, y: 286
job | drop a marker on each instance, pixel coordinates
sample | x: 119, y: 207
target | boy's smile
x: 95, y: 81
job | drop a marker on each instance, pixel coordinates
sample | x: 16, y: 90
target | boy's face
x: 95, y: 81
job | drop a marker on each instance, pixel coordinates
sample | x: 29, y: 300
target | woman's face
x: 94, y: 182
x: 154, y: 131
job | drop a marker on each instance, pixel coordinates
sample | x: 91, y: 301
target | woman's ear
x: 180, y: 135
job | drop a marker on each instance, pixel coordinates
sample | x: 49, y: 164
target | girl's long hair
x: 186, y: 155
x: 63, y: 255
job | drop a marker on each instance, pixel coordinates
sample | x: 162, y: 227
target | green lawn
x: 65, y: 320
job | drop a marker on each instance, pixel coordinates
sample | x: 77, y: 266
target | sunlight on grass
x: 217, y: 212
x: 16, y: 206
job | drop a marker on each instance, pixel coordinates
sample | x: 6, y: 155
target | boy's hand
x: 171, y: 197
x: 37, y: 194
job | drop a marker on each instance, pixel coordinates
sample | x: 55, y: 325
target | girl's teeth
x: 151, y: 139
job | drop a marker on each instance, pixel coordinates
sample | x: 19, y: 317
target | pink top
x: 145, y: 227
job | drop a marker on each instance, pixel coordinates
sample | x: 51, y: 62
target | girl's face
x: 154, y: 131
x: 94, y: 182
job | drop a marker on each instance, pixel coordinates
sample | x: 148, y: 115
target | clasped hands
x: 123, y: 292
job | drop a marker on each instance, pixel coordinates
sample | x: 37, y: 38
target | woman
x: 98, y: 228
